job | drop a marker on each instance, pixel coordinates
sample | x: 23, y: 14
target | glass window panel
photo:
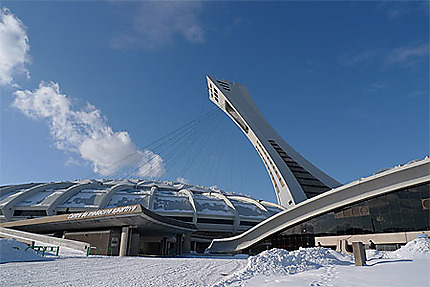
x: 348, y: 224
x: 330, y: 224
x: 363, y: 225
x: 340, y: 228
x: 375, y: 206
x: 417, y: 209
x: 397, y: 222
x: 396, y: 218
x: 427, y: 218
x: 393, y: 202
x: 423, y: 190
x: 405, y: 210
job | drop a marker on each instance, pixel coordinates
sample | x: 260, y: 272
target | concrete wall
x: 103, y: 242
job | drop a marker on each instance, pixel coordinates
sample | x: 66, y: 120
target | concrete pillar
x: 123, y: 247
x: 164, y: 249
x: 178, y: 244
x: 343, y: 247
x: 359, y: 253
x: 187, y: 243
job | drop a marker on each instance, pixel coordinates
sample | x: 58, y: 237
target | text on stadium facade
x: 103, y: 212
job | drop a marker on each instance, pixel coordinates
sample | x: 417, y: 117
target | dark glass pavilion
x: 403, y: 210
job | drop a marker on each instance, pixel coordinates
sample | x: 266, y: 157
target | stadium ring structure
x: 130, y: 217
x: 207, y: 212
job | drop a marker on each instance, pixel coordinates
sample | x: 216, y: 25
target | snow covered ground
x: 119, y: 271
x: 408, y: 266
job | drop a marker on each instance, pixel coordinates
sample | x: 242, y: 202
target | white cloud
x: 362, y: 57
x: 408, y: 54
x: 156, y: 24
x: 398, y: 9
x: 14, y: 47
x: 86, y: 132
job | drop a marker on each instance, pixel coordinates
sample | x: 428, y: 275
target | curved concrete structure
x: 111, y: 191
x: 141, y: 217
x: 382, y: 183
x: 208, y: 209
x: 190, y: 196
x: 293, y: 177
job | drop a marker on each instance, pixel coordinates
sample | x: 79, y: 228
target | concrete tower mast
x: 293, y: 177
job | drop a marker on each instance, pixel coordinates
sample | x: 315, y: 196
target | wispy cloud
x: 375, y: 87
x: 408, y: 54
x: 14, y: 47
x: 85, y: 132
x: 358, y: 114
x: 418, y: 93
x: 395, y: 10
x: 156, y: 24
x: 366, y: 56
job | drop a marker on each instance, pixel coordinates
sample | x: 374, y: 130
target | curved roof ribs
x: 293, y: 177
x: 59, y: 197
x: 8, y: 204
x: 190, y: 196
x: 271, y: 204
x: 104, y: 200
x: 229, y: 204
x: 249, y: 200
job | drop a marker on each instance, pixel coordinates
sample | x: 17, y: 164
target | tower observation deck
x: 293, y: 177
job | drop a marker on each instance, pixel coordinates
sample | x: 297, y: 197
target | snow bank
x: 372, y: 254
x: 278, y: 262
x: 15, y: 251
x: 417, y: 248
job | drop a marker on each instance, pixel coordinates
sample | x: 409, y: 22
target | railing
x: 28, y: 238
x: 44, y: 249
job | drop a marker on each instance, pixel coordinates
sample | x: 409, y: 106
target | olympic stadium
x: 171, y: 208
x: 130, y: 217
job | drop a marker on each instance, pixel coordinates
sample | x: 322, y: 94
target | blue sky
x: 345, y: 83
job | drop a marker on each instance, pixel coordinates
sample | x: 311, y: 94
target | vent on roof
x: 224, y: 85
x: 215, y: 94
x: 29, y: 212
x: 215, y: 221
x: 310, y: 185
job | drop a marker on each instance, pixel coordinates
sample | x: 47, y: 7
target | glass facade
x: 398, y: 211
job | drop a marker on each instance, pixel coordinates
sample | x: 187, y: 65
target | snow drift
x: 417, y: 248
x: 15, y: 251
x: 278, y: 262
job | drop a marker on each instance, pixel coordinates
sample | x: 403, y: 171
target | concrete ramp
x: 28, y: 237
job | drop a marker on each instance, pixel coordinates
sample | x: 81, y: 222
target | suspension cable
x: 123, y: 161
